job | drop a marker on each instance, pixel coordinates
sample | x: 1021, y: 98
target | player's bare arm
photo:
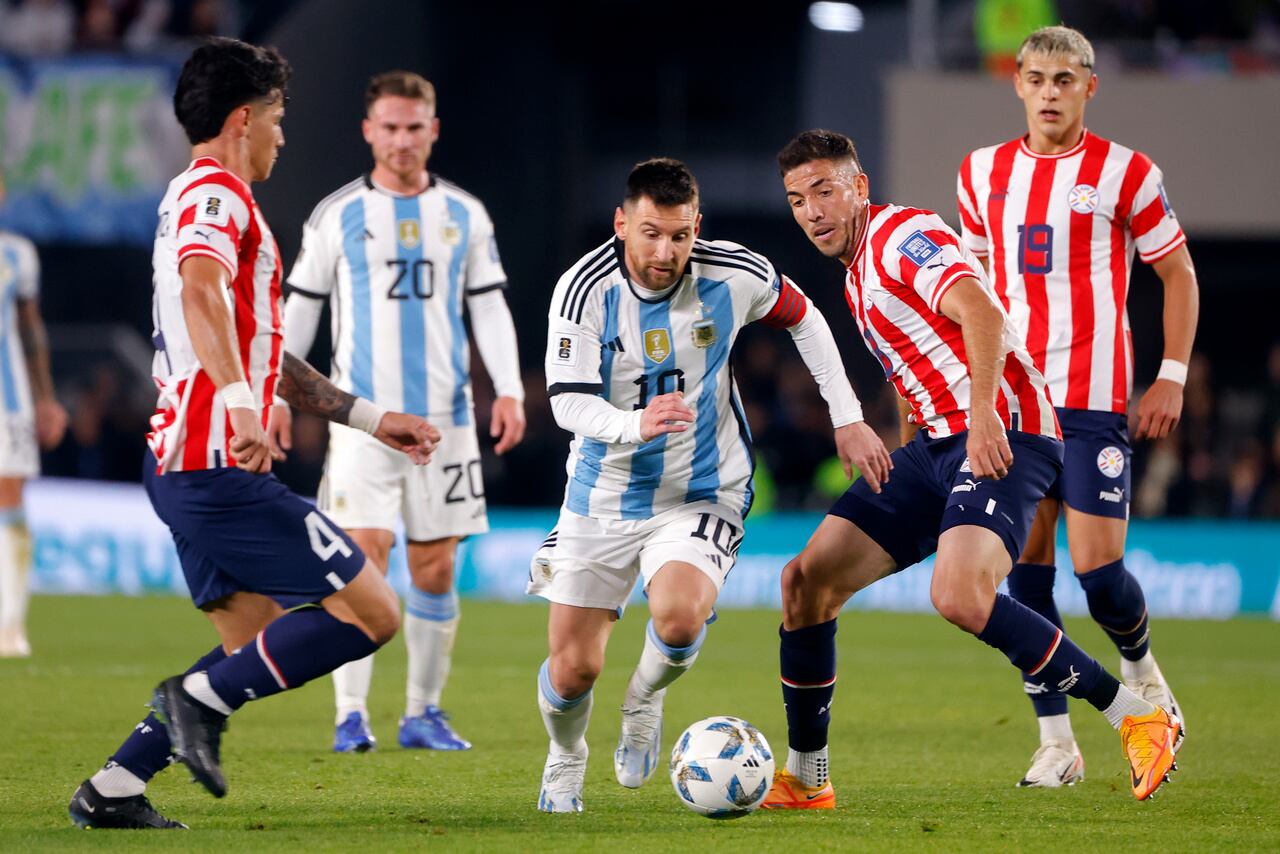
x: 1161, y: 407
x: 307, y: 390
x: 213, y: 337
x: 51, y: 418
x: 982, y: 325
x: 907, y: 429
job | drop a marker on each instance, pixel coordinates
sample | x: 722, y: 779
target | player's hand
x: 666, y: 413
x: 280, y: 430
x: 51, y: 423
x: 506, y: 424
x: 859, y: 445
x: 408, y: 434
x: 1159, y: 410
x: 988, y: 446
x: 249, y: 446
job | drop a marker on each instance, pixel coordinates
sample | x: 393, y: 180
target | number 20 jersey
x: 397, y: 270
x: 1060, y: 231
x: 606, y: 337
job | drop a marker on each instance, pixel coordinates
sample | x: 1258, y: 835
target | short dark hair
x: 816, y: 145
x: 399, y: 84
x: 221, y: 75
x: 664, y: 181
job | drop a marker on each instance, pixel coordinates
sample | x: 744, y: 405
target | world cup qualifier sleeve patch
x: 918, y: 249
x: 212, y: 208
x: 566, y: 349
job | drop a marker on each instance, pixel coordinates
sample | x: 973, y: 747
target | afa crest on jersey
x: 410, y: 233
x: 657, y: 344
x: 451, y: 233
x: 918, y: 249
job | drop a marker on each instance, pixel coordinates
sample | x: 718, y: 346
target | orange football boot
x: 1149, y: 742
x: 788, y: 793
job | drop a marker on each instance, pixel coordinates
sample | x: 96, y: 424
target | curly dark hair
x: 221, y: 75
x: 664, y: 181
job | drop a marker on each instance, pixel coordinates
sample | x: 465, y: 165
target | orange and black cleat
x: 788, y: 793
x: 1149, y: 743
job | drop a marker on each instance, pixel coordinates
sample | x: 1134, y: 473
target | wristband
x: 365, y: 415
x: 238, y: 395
x: 1173, y: 371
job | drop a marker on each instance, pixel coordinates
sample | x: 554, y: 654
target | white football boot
x: 1056, y: 763
x: 636, y: 758
x: 562, y: 782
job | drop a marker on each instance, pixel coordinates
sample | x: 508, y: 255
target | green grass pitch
x: 930, y: 732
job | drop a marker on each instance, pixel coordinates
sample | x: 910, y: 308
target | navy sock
x: 146, y: 751
x: 1117, y: 604
x: 808, y: 658
x: 1032, y: 585
x: 1043, y: 650
x: 294, y: 649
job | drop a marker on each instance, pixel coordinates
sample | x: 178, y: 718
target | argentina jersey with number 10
x: 398, y: 270
x: 609, y: 336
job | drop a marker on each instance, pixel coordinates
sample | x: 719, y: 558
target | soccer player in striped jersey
x: 30, y: 419
x: 1056, y: 215
x: 397, y: 253
x: 249, y: 548
x: 659, y: 470
x: 966, y: 486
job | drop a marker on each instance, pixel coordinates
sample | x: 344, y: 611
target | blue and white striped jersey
x: 607, y: 336
x: 19, y: 279
x: 397, y: 269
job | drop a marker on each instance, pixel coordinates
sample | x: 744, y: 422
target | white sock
x: 660, y: 664
x: 430, y: 627
x: 197, y: 685
x: 351, y: 687
x: 566, y: 720
x: 14, y: 571
x: 1137, y: 671
x: 1125, y: 704
x: 1056, y: 728
x: 116, y: 781
x: 808, y: 766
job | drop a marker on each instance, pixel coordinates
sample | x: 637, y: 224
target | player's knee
x: 573, y: 675
x: 961, y: 607
x: 382, y: 623
x: 434, y: 573
x: 680, y: 628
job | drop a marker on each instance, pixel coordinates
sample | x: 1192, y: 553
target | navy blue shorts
x: 1095, y: 468
x: 931, y: 489
x: 240, y: 531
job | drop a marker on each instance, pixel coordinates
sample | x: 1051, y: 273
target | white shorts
x: 368, y: 485
x: 19, y: 456
x: 593, y: 563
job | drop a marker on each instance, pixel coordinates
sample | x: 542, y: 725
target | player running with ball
x: 660, y: 466
x: 966, y: 487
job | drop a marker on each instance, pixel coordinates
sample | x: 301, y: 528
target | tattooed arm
x: 308, y: 391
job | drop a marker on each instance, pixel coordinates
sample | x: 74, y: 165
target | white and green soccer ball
x: 721, y: 767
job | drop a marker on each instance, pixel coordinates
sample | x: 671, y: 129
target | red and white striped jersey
x: 209, y: 211
x: 906, y: 260
x: 1061, y: 230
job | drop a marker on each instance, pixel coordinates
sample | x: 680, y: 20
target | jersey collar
x: 1070, y: 152
x: 620, y: 250
x: 210, y: 160
x: 378, y: 188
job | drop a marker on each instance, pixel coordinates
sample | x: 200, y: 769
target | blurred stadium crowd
x: 1223, y: 461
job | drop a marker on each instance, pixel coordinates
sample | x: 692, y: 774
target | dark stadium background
x: 543, y: 109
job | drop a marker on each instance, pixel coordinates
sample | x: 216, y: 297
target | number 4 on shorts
x: 325, y: 542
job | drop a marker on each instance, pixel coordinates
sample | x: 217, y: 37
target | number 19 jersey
x: 607, y: 336
x: 398, y: 269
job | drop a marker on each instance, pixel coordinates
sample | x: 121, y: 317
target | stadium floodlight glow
x: 835, y: 17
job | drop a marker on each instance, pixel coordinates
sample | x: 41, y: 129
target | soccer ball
x: 721, y: 767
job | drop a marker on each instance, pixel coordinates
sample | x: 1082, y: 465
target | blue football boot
x: 353, y: 735
x: 431, y: 731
